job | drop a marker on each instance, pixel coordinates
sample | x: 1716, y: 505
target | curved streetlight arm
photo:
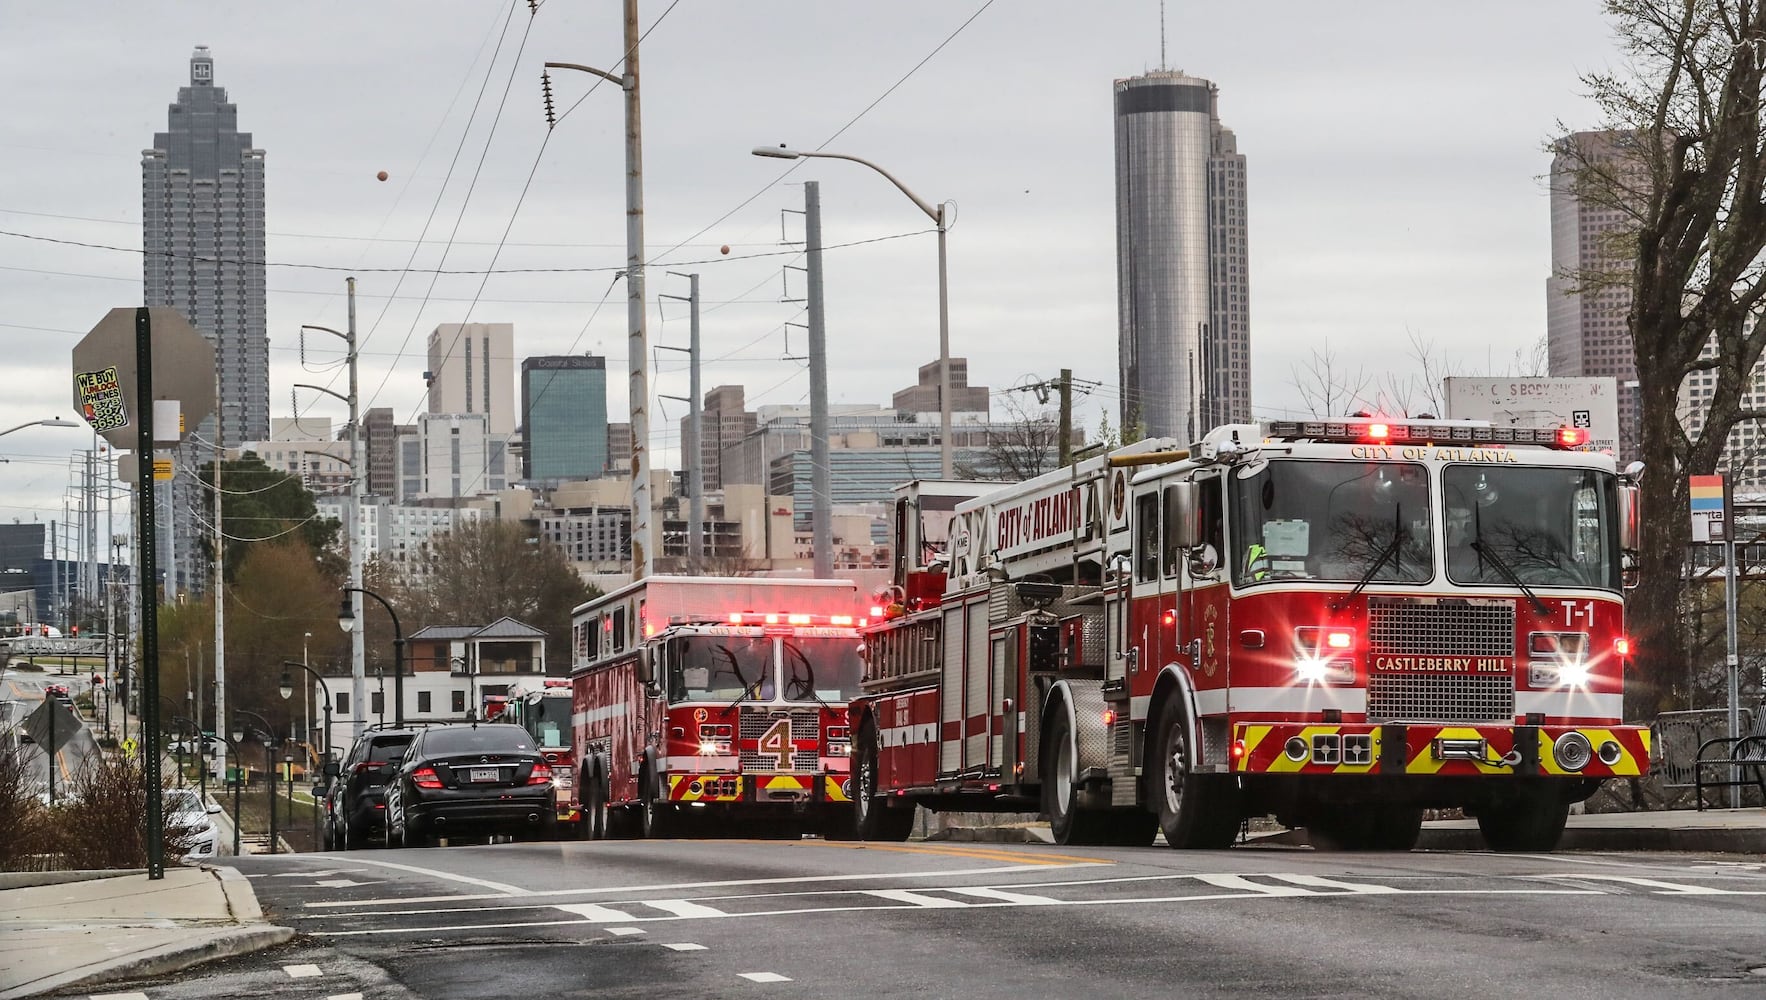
x: 398, y: 633
x: 51, y: 422
x: 579, y: 67
x: 935, y: 214
x: 325, y: 329
x: 320, y: 388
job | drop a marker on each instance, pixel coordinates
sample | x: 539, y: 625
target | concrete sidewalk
x: 1717, y: 831
x: 59, y: 929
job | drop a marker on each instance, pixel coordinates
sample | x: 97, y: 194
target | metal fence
x: 1677, y: 737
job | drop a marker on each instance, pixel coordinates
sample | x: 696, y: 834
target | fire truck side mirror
x: 1630, y: 518
x: 1182, y: 524
x: 646, y: 667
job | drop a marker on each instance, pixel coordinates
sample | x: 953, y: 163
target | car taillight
x: 374, y: 765
x: 425, y: 777
x: 542, y: 775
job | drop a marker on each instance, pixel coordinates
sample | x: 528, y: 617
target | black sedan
x: 471, y: 780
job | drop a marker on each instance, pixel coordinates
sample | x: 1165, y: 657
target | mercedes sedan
x: 471, y: 780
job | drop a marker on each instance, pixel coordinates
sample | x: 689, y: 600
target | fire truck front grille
x: 802, y: 760
x: 1452, y: 698
x: 1407, y: 626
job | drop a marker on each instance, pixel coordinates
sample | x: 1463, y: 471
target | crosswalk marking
x: 1240, y: 883
x: 626, y: 931
x: 1661, y: 887
x: 684, y: 946
x: 117, y: 996
x: 1021, y: 898
x: 683, y: 908
x: 764, y: 977
x: 1320, y: 882
x: 916, y: 898
x: 302, y: 971
x: 598, y: 914
x: 344, y: 996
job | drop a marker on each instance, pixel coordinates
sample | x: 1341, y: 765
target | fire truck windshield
x: 1351, y: 522
x: 826, y: 667
x: 1547, y: 527
x: 721, y: 668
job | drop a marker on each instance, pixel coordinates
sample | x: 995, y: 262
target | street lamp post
x: 287, y: 689
x: 346, y: 620
x: 637, y: 351
x: 238, y: 776
x: 939, y: 217
x: 50, y: 422
x: 268, y: 735
x: 358, y: 654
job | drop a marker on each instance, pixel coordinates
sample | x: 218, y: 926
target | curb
x: 211, y: 945
x: 241, y: 901
x: 26, y: 880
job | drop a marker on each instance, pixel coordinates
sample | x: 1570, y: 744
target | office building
x: 472, y: 370
x: 564, y: 417
x: 1183, y: 281
x: 619, y: 450
x: 1587, y: 320
x: 202, y: 237
x: 380, y: 438
x: 452, y: 455
x: 966, y: 401
x: 726, y: 420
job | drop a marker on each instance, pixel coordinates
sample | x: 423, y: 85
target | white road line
x: 625, y: 931
x: 684, y: 946
x: 344, y: 996
x: 117, y: 996
x: 671, y: 886
x: 1021, y: 898
x: 1240, y: 883
x: 764, y: 977
x: 497, y: 887
x: 595, y: 914
x: 683, y: 908
x: 918, y: 899
x: 340, y: 883
x: 1320, y: 882
x: 302, y: 971
x: 1661, y: 888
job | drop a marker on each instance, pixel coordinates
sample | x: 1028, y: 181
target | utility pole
x: 692, y: 452
x: 358, y: 645
x: 1066, y: 431
x: 219, y: 592
x: 820, y: 487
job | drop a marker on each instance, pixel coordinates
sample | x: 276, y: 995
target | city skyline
x: 1349, y: 234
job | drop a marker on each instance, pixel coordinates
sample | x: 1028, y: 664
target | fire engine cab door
x: 1154, y: 590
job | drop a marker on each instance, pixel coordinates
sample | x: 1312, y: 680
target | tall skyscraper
x: 202, y: 217
x: 564, y: 417
x: 726, y: 420
x: 1183, y: 281
x: 472, y: 370
x: 1587, y: 330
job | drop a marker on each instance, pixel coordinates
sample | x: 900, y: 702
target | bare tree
x: 1690, y: 179
x: 1328, y: 387
x: 1024, y: 446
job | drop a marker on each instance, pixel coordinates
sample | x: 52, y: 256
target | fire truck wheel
x: 1196, y: 811
x: 872, y: 819
x: 593, y: 825
x: 1069, y: 823
x: 654, y: 820
x: 1529, y: 822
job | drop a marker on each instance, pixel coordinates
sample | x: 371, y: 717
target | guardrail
x: 55, y: 645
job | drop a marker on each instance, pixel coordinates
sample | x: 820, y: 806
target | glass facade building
x: 564, y: 417
x: 1183, y: 283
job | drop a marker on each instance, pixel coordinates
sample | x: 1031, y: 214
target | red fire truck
x: 1337, y: 622
x: 543, y: 709
x: 715, y: 700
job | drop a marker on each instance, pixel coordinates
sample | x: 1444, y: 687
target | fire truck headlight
x: 840, y: 749
x: 1573, y: 674
x: 1310, y: 670
x: 713, y: 748
x: 1315, y: 670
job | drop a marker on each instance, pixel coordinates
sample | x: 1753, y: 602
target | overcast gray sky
x: 1394, y: 153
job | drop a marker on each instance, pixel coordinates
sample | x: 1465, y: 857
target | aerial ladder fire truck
x: 1337, y: 622
x: 701, y: 703
x: 543, y: 709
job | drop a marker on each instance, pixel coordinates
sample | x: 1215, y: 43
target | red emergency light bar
x: 773, y: 618
x: 1468, y: 432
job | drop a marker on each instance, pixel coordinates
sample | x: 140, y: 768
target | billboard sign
x: 1592, y: 403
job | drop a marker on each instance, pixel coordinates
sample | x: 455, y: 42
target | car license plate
x: 484, y: 774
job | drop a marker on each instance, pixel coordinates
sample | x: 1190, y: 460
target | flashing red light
x: 425, y: 777
x: 797, y: 619
x: 1572, y: 437
x: 649, y: 629
x: 542, y: 775
x: 735, y: 618
x: 1170, y: 618
x: 771, y: 619
x: 1339, y: 639
x: 1622, y: 646
x: 1378, y: 432
x: 840, y: 619
x: 1238, y: 749
x: 876, y: 611
x: 1109, y: 717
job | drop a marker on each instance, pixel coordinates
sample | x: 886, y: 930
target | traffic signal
x: 76, y: 631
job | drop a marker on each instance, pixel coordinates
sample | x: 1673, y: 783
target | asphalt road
x: 815, y: 919
x: 26, y: 690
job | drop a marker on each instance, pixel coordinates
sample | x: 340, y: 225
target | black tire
x: 1397, y: 828
x: 873, y: 819
x: 354, y: 836
x: 1067, y: 821
x: 593, y: 825
x: 1195, y: 811
x: 655, y: 818
x: 1533, y: 821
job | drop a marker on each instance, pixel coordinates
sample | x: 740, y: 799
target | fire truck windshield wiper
x: 1486, y: 552
x: 736, y: 668
x: 809, y: 680
x: 1399, y: 536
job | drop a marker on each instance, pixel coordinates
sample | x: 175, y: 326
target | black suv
x: 479, y: 779
x: 355, y: 802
